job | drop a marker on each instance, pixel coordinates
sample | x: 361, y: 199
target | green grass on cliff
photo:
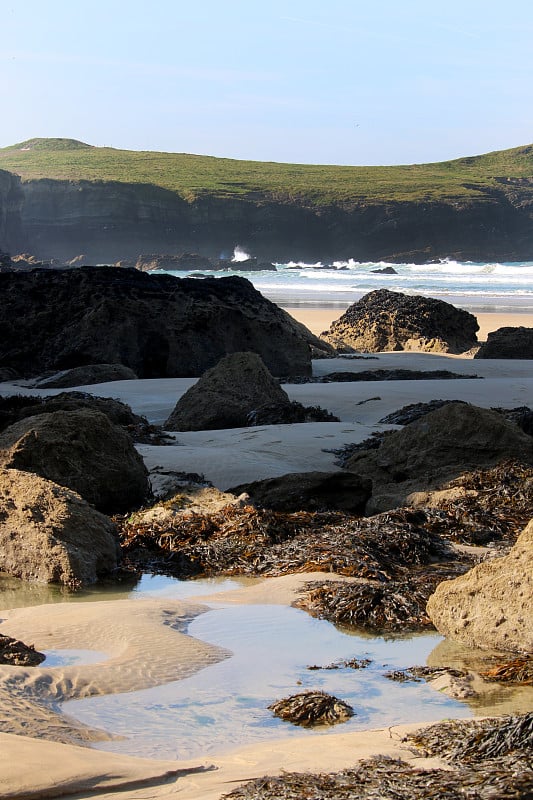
x: 191, y: 176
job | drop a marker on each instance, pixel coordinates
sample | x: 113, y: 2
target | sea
x: 479, y: 287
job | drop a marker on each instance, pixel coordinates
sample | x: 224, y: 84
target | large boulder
x: 309, y: 491
x: 491, y: 605
x: 49, y: 534
x: 85, y: 376
x: 81, y: 450
x: 157, y: 325
x: 436, y: 448
x: 384, y: 320
x: 508, y: 343
x: 173, y: 262
x: 226, y: 395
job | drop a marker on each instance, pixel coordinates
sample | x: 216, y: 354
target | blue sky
x: 332, y: 82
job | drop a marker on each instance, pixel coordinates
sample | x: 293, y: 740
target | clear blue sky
x: 311, y: 81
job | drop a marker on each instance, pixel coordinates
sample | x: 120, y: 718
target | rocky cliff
x: 110, y: 220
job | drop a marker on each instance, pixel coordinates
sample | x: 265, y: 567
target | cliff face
x: 11, y: 202
x: 108, y: 221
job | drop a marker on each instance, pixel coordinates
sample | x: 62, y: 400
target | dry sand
x: 145, y: 644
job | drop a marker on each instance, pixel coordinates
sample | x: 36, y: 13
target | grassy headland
x: 193, y: 176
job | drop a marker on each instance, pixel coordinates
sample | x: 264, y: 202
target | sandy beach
x: 44, y: 754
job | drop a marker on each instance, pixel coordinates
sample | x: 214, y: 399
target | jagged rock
x: 82, y: 450
x: 309, y: 491
x: 248, y: 265
x: 16, y: 407
x: 180, y: 262
x: 85, y: 376
x: 384, y: 320
x: 490, y: 606
x: 226, y: 394
x: 508, y: 343
x: 437, y: 447
x: 157, y: 325
x: 49, y: 534
x: 385, y: 271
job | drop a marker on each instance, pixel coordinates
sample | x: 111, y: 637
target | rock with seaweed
x: 508, y: 343
x: 309, y: 491
x: 49, y: 534
x: 283, y: 413
x: 490, y: 606
x: 17, y: 406
x: 83, y: 451
x: 311, y: 709
x: 384, y: 320
x: 13, y: 651
x: 437, y: 448
x: 87, y: 375
x: 226, y: 395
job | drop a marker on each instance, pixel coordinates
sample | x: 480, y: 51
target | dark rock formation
x: 226, y: 394
x: 157, y: 325
x: 181, y: 262
x: 85, y: 376
x: 248, y: 265
x: 508, y: 343
x: 385, y: 271
x: 436, y: 448
x: 81, y: 450
x: 309, y: 491
x: 17, y: 407
x: 49, y: 534
x: 384, y: 320
x: 490, y: 606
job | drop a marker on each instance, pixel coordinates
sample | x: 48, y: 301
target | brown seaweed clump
x: 391, y: 606
x: 14, y: 652
x: 473, y: 740
x: 252, y: 541
x: 384, y: 778
x: 496, y: 505
x: 519, y: 670
x: 312, y: 708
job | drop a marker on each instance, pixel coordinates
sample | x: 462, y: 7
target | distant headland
x: 61, y: 197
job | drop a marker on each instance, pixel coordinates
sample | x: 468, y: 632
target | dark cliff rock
x: 384, y: 320
x: 108, y: 220
x: 147, y: 262
x: 157, y: 325
x: 508, y: 343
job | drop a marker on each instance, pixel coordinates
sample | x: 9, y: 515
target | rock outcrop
x: 508, y: 343
x: 309, y: 491
x: 157, y: 325
x: 16, y: 407
x: 180, y: 262
x: 436, y: 448
x: 384, y: 320
x: 90, y: 374
x: 49, y: 534
x: 491, y: 605
x: 83, y: 451
x: 225, y: 395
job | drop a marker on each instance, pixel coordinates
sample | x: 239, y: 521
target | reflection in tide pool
x: 225, y: 705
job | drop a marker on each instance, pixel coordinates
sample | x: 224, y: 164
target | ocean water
x: 477, y: 287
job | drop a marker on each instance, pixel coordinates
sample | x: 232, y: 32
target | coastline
x: 138, y: 647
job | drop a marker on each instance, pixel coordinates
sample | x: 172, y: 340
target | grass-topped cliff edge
x: 193, y: 176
